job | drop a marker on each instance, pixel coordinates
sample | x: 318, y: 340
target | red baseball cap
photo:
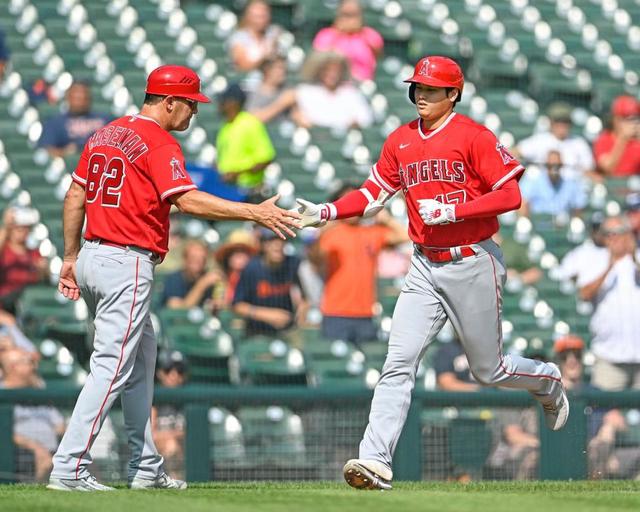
x: 179, y: 81
x: 625, y: 106
x: 569, y: 342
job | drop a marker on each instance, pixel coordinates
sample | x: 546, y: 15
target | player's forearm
x: 73, y: 220
x: 496, y: 202
x: 207, y: 206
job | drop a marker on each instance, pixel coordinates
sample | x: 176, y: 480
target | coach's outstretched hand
x: 277, y: 219
x: 313, y: 215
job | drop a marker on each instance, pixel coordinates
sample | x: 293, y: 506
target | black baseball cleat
x: 367, y: 474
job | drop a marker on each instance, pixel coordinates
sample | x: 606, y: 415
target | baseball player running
x: 129, y: 175
x: 456, y: 178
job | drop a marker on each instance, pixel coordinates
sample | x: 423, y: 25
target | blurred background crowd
x: 305, y: 93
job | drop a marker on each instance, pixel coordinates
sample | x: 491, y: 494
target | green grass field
x: 325, y: 497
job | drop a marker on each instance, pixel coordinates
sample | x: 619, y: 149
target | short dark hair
x: 152, y: 99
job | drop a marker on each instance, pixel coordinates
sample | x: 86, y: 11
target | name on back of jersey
x: 124, y: 139
x: 436, y: 169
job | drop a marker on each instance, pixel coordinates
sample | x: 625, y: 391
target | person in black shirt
x: 268, y: 295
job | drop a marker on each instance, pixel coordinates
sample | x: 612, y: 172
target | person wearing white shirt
x: 576, y: 153
x: 580, y: 258
x: 327, y: 99
x: 613, y: 286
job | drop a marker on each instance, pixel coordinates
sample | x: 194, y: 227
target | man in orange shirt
x: 349, y: 251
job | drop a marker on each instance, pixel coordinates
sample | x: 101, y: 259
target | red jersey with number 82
x: 129, y: 169
x: 455, y: 163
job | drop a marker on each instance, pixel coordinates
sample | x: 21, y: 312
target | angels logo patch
x: 424, y: 70
x: 504, y: 154
x: 176, y: 169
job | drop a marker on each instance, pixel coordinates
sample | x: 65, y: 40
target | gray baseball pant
x: 469, y: 293
x: 116, y: 284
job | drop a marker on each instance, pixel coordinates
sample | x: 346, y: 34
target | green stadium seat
x: 265, y: 361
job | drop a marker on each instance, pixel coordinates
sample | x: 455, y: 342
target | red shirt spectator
x: 19, y: 265
x: 617, y: 151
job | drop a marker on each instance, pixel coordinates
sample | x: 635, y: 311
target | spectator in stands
x: 519, y: 264
x: 632, y: 203
x: 348, y: 253
x: 613, y: 285
x: 516, y: 442
x: 309, y: 272
x: 35, y: 428
x: 574, y: 150
x: 4, y: 54
x: 452, y: 368
x: 232, y: 257
x: 617, y: 150
x: 173, y: 260
x: 604, y: 425
x: 327, y: 99
x: 256, y: 39
x: 243, y: 144
x: 593, y: 248
x: 167, y: 420
x: 11, y: 336
x: 67, y: 133
x: 546, y: 190
x: 361, y: 45
x: 20, y: 266
x: 272, y: 99
x: 268, y: 295
x: 192, y: 286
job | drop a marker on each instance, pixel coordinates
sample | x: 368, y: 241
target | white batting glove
x: 313, y: 215
x: 434, y: 212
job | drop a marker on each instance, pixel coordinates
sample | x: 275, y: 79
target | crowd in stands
x: 330, y: 282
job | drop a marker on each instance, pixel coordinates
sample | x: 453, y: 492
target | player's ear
x: 453, y: 95
x: 169, y: 102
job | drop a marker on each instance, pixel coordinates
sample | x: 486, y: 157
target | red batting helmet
x: 179, y: 81
x: 436, y: 71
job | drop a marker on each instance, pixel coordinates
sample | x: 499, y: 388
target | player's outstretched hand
x: 434, y: 212
x: 67, y: 284
x: 313, y: 215
x: 278, y: 220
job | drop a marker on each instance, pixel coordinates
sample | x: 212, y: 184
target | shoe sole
x: 55, y: 487
x: 563, y: 422
x: 359, y: 477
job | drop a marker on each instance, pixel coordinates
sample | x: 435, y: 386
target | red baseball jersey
x: 129, y: 170
x: 457, y: 162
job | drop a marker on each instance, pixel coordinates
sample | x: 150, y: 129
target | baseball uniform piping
x: 124, y: 343
x: 175, y: 190
x: 375, y: 176
x: 437, y: 130
x: 500, y: 355
x: 507, y: 177
x: 77, y: 178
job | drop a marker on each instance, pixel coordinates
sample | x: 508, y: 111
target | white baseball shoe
x: 367, y: 474
x: 556, y: 406
x: 86, y: 484
x: 163, y: 481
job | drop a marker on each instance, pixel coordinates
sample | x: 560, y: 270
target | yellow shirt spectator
x: 244, y: 147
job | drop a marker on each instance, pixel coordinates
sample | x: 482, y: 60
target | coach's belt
x: 446, y: 254
x: 134, y: 248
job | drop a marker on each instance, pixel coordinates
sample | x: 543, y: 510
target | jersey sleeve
x: 492, y: 161
x: 384, y: 172
x: 81, y: 171
x: 167, y: 171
